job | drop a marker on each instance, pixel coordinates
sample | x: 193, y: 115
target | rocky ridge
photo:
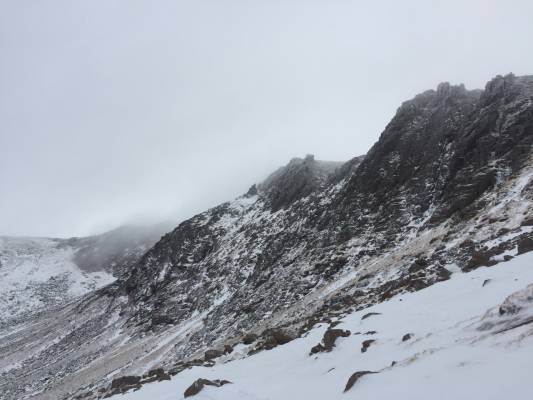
x: 447, y: 186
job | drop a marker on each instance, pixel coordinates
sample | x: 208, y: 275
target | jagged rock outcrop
x: 296, y: 180
x: 247, y: 259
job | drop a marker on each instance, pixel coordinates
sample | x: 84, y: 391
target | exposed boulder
x: 355, y: 377
x: 525, y: 245
x: 328, y: 341
x: 199, y: 384
x: 125, y: 381
x: 122, y: 385
x: 196, y: 362
x: 370, y: 314
x: 366, y: 344
x: 480, y: 259
x: 407, y: 337
x: 249, y: 338
x: 154, y: 375
x: 213, y: 353
x: 271, y: 338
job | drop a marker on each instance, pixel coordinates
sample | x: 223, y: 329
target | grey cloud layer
x: 113, y: 111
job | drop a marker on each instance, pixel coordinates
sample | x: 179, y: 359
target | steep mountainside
x: 448, y: 186
x: 469, y: 337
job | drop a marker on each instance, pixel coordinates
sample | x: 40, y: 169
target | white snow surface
x: 39, y: 272
x: 458, y: 349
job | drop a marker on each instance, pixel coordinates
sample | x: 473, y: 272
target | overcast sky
x: 116, y: 111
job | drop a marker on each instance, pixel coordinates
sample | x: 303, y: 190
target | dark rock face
x: 413, y: 145
x: 296, y: 180
x: 355, y: 377
x: 445, y: 148
x: 199, y: 384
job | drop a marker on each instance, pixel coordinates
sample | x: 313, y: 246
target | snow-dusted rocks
x: 515, y: 311
x: 39, y: 274
x: 447, y: 357
x: 446, y: 190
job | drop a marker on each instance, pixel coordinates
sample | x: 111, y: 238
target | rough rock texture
x: 199, y: 384
x: 407, y: 337
x: 366, y: 344
x: 329, y: 339
x: 298, y: 179
x: 448, y: 184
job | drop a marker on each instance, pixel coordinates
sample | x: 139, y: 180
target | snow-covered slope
x: 460, y: 346
x: 39, y: 273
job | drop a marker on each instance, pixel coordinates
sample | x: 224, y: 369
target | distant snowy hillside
x: 38, y: 274
x: 453, y: 340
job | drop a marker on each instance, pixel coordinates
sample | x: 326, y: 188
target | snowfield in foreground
x: 464, y: 345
